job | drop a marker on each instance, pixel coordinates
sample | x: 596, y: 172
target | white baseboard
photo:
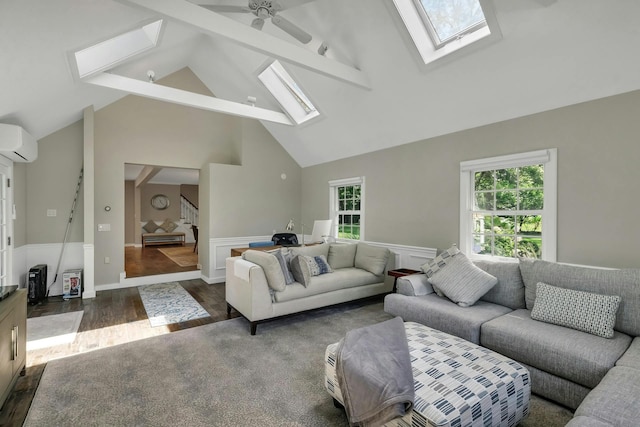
x: 149, y: 280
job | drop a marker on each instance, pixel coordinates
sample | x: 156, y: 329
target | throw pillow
x: 371, y: 258
x: 583, y: 311
x: 342, y: 255
x: 461, y: 281
x: 270, y: 265
x: 300, y: 270
x: 322, y: 264
x: 168, y: 225
x: 150, y: 227
x: 431, y: 267
x: 285, y: 265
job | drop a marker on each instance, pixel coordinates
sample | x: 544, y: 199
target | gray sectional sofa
x: 258, y: 285
x: 599, y: 376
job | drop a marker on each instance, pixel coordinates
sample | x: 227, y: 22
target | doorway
x: 161, y: 219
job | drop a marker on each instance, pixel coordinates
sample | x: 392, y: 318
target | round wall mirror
x: 160, y: 202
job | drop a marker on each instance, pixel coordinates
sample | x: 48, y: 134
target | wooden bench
x: 149, y: 239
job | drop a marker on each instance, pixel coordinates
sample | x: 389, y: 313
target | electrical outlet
x: 52, y: 212
x: 107, y: 260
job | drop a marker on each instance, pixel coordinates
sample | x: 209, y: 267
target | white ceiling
x: 170, y: 176
x: 552, y: 54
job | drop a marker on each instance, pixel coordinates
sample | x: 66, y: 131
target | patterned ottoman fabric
x: 457, y: 383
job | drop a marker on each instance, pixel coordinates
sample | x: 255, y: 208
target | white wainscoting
x: 220, y: 250
x: 27, y: 256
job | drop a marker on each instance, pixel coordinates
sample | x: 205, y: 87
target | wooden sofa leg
x: 254, y: 326
x: 228, y: 309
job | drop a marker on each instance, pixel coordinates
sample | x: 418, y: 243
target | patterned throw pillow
x: 168, y: 225
x: 461, y: 281
x: 150, y: 227
x: 583, y: 311
x: 431, y: 267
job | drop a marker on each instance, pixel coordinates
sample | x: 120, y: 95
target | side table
x: 400, y: 272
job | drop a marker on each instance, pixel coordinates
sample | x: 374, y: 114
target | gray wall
x: 147, y: 212
x: 51, y: 184
x: 412, y: 191
x: 142, y: 131
x: 190, y: 192
x: 253, y: 199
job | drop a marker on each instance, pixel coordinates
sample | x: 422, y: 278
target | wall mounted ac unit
x: 16, y: 144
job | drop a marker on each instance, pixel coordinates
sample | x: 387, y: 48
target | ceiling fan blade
x: 257, y: 23
x: 226, y: 9
x: 291, y: 28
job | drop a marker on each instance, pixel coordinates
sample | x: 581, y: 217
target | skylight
x: 111, y: 52
x: 286, y: 91
x: 441, y: 27
x: 447, y: 20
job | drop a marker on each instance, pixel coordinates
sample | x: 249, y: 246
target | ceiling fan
x: 265, y: 9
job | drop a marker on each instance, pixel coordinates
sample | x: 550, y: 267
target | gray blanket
x: 373, y: 367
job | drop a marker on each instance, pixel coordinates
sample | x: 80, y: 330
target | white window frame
x: 333, y: 204
x: 433, y: 32
x: 428, y: 50
x: 549, y: 158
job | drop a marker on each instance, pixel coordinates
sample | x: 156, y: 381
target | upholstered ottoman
x: 457, y: 383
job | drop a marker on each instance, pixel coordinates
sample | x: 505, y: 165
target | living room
x: 255, y: 176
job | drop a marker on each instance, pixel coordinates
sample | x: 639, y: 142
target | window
x: 441, y: 27
x: 508, y: 206
x: 447, y: 20
x: 109, y: 53
x: 347, y: 208
x: 287, y: 92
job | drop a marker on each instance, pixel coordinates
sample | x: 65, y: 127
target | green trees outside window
x: 349, y: 206
x: 507, y: 212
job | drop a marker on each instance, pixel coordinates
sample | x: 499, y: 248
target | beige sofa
x: 256, y: 284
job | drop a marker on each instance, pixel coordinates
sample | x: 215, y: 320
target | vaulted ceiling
x: 551, y: 54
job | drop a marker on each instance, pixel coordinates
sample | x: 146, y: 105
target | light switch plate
x: 104, y: 227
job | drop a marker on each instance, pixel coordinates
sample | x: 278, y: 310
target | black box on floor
x: 37, y: 283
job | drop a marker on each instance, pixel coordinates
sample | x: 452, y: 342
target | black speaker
x: 37, y: 284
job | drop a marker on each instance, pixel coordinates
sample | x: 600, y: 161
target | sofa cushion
x: 583, y: 311
x: 615, y: 399
x: 313, y: 250
x: 631, y: 357
x: 270, y: 265
x: 624, y: 283
x: 371, y: 258
x: 573, y: 355
x: 339, y: 279
x: 509, y: 291
x: 301, y: 270
x: 582, y: 421
x: 461, y: 281
x: 442, y: 314
x: 342, y: 255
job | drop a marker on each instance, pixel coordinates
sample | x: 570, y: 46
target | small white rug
x: 56, y: 329
x: 168, y: 303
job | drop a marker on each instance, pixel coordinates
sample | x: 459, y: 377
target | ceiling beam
x: 215, y: 24
x: 146, y: 174
x: 189, y: 99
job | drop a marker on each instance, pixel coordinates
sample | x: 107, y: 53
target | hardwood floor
x: 149, y: 261
x: 112, y: 318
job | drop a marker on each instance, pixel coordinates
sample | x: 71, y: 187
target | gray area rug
x: 167, y: 303
x: 214, y: 375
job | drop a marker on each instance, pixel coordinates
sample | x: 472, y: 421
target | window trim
x: 333, y: 208
x: 549, y: 158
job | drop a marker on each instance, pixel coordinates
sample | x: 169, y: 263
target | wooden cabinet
x: 13, y: 341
